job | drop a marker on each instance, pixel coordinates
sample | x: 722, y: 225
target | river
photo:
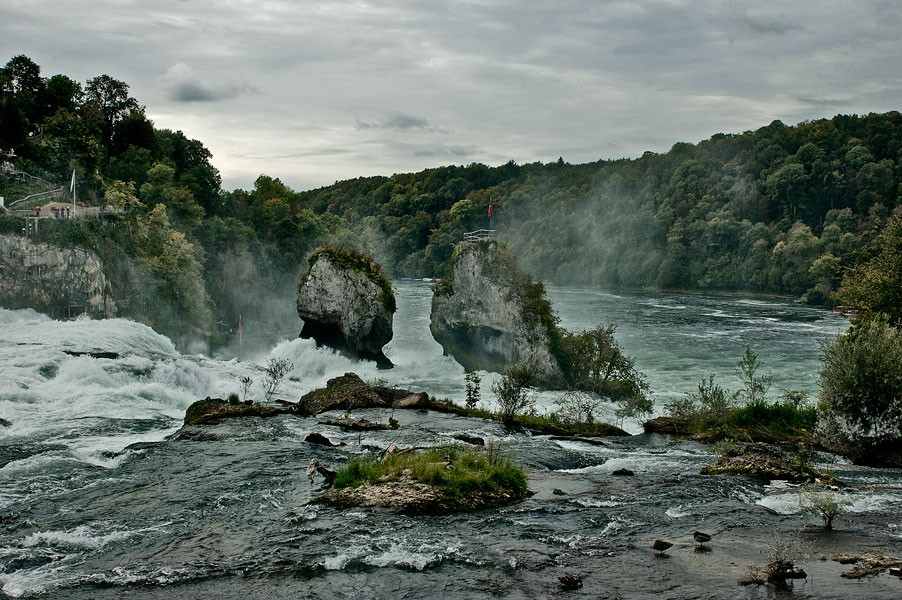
x: 103, y: 497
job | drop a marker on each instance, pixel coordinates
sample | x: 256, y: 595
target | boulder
x: 211, y: 410
x: 488, y: 315
x: 314, y: 437
x: 341, y: 393
x: 347, y: 304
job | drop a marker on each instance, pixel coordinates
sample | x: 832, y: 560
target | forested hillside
x: 781, y: 209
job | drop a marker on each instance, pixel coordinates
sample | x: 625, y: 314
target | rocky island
x: 347, y: 303
x: 489, y: 315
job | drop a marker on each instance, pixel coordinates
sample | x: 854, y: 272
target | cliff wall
x: 60, y: 282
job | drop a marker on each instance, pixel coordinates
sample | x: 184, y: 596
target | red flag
x: 490, y: 207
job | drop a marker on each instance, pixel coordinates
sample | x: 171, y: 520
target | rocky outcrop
x: 347, y: 304
x: 60, y: 282
x: 350, y: 392
x: 761, y: 461
x: 211, y: 410
x: 490, y: 316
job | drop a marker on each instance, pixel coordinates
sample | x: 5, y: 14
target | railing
x: 479, y: 235
x: 40, y: 196
x: 10, y: 169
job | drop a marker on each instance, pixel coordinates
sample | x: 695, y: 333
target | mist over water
x: 106, y: 500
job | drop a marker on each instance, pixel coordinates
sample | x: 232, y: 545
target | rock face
x: 60, y: 282
x: 485, y: 315
x: 345, y: 305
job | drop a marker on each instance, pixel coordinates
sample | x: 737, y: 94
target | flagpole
x: 240, y: 340
x: 72, y: 189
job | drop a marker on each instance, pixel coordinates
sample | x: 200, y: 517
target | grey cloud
x: 766, y: 24
x: 447, y: 151
x: 400, y: 122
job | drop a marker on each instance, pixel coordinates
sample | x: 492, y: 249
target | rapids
x: 107, y: 499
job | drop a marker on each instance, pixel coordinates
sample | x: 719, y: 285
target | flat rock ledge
x: 410, y: 497
x: 211, y: 410
x: 761, y: 461
x: 346, y: 392
x: 349, y: 392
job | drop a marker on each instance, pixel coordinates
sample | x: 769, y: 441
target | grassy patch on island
x: 460, y: 474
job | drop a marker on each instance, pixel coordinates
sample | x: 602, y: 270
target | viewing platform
x: 480, y: 235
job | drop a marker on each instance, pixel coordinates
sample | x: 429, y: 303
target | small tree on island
x: 472, y: 387
x: 513, y: 391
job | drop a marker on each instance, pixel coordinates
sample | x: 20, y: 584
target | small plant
x: 276, y: 370
x: 755, y: 387
x: 824, y: 502
x: 684, y: 409
x: 234, y: 399
x: 713, y: 400
x: 473, y: 392
x: 798, y: 399
x: 246, y: 383
x: 513, y: 391
x: 784, y: 551
x: 726, y: 447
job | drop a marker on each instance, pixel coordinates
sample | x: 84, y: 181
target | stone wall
x: 60, y: 282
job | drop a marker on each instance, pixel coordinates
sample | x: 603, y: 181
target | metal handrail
x: 61, y: 191
x: 479, y: 235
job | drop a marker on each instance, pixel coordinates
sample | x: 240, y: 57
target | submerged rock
x: 488, y: 315
x: 347, y: 303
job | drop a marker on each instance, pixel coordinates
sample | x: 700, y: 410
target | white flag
x: 72, y: 185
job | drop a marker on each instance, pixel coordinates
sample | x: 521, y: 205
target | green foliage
x: 355, y: 260
x: 592, y: 360
x: 513, y: 391
x: 773, y: 421
x: 459, y: 474
x: 233, y: 399
x: 745, y: 413
x: 861, y: 383
x: 873, y: 285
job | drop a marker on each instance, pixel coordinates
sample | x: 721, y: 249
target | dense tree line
x: 781, y: 209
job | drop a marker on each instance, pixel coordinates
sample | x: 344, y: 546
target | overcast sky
x: 314, y: 92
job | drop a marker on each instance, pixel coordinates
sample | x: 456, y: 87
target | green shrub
x: 824, y: 502
x: 861, y: 383
x: 233, y: 399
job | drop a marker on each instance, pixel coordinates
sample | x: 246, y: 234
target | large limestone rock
x: 60, y: 282
x: 490, y: 316
x: 347, y: 303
